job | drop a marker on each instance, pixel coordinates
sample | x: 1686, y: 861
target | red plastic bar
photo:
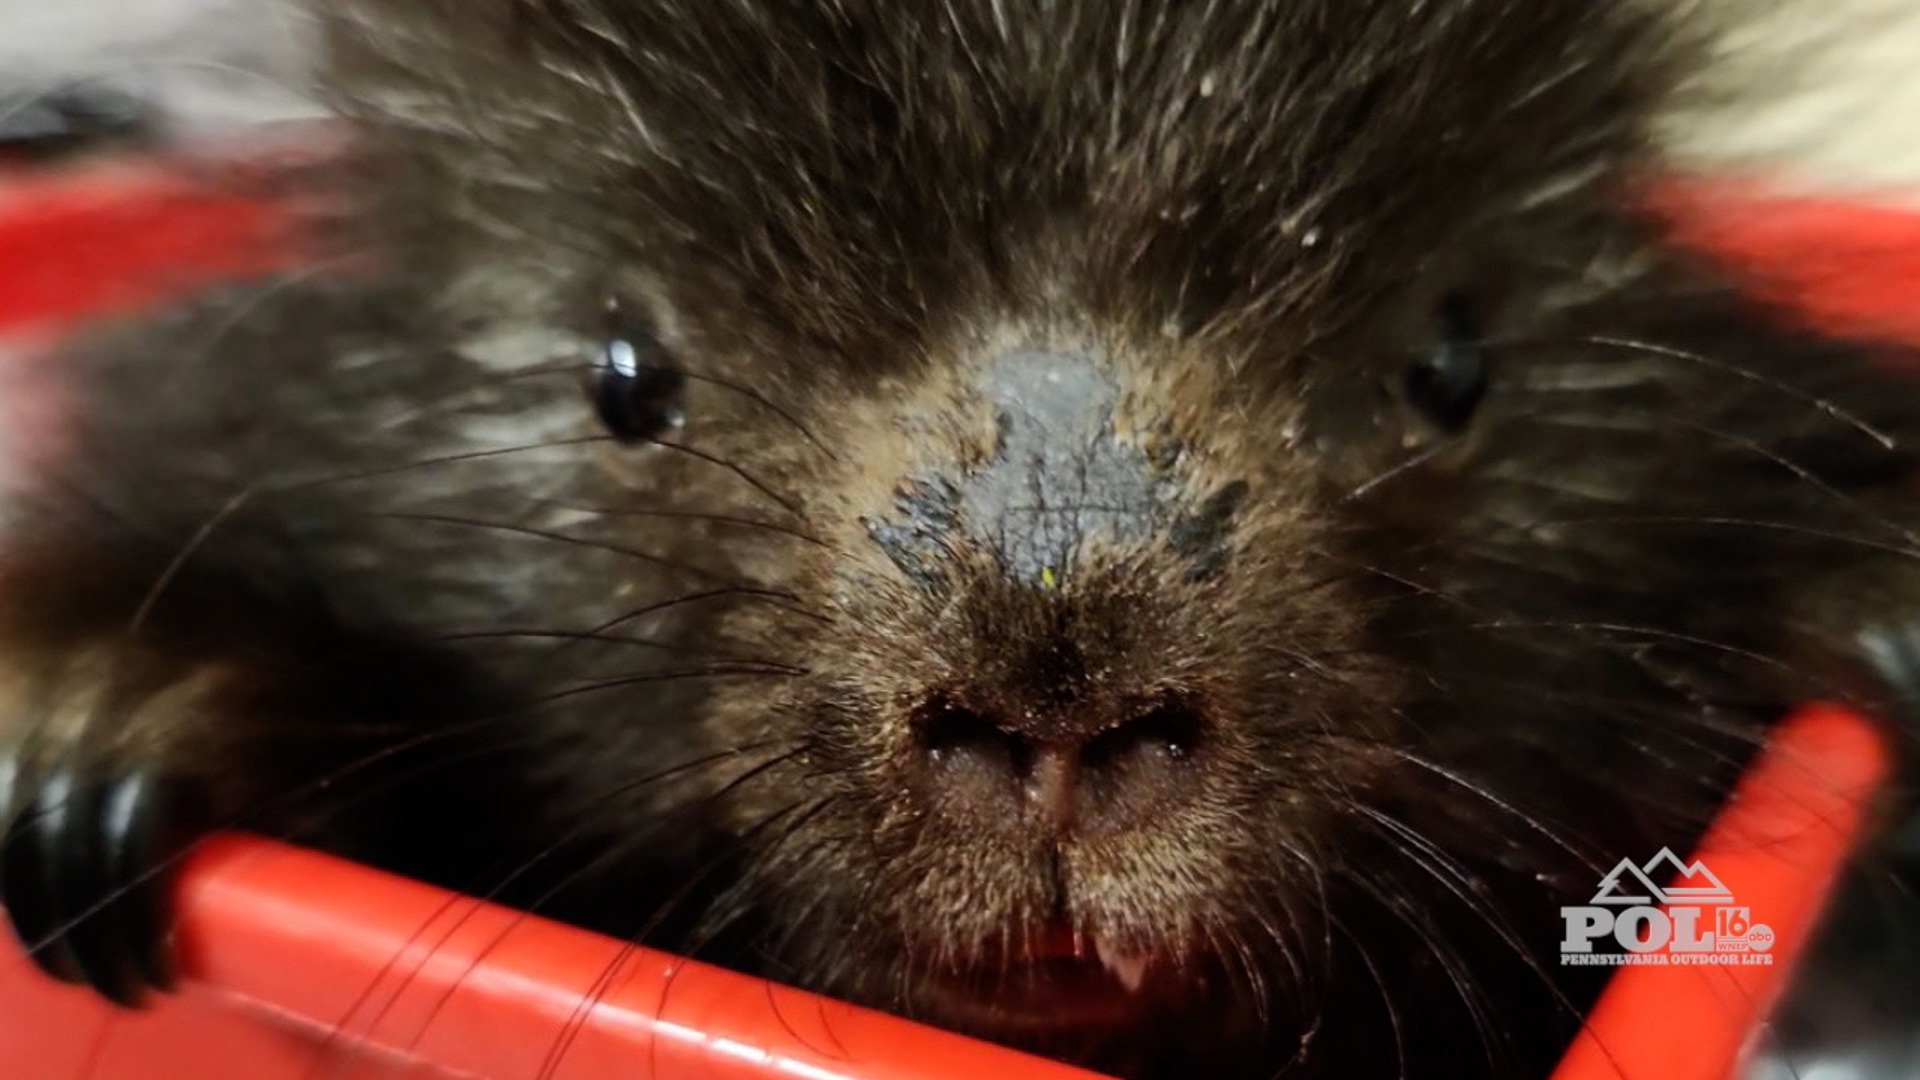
x: 1778, y: 847
x: 303, y: 966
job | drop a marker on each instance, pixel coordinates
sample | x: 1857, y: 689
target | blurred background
x: 1822, y: 93
x: 209, y: 64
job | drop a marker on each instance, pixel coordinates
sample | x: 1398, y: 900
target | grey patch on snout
x: 1059, y: 484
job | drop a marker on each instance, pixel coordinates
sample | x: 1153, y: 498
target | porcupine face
x: 1150, y: 491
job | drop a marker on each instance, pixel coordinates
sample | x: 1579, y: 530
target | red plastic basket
x: 297, y: 965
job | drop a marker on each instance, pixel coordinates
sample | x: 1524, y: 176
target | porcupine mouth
x: 1064, y: 983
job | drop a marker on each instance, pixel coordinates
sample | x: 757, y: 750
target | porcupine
x: 1174, y: 535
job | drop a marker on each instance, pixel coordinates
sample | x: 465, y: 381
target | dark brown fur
x: 1436, y: 684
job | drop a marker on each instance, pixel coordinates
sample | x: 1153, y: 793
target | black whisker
x: 519, y: 870
x: 767, y: 403
x: 548, y: 534
x: 732, y: 467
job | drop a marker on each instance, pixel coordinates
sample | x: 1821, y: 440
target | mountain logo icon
x: 1628, y: 884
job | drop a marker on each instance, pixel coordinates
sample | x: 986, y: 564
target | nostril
x: 1166, y: 732
x: 955, y: 737
x: 1137, y: 770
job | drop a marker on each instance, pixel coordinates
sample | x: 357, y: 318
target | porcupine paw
x: 85, y: 870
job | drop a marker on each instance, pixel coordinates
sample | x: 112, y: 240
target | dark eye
x: 637, y: 392
x: 1447, y: 383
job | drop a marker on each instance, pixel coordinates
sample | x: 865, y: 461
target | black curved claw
x: 82, y: 874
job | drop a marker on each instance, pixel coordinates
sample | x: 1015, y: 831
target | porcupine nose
x: 1019, y: 768
x: 1039, y: 735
